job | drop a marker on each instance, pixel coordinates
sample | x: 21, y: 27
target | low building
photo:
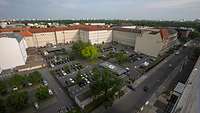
x: 13, y: 51
x: 83, y: 99
x: 155, y: 42
x: 115, y: 69
x: 81, y: 95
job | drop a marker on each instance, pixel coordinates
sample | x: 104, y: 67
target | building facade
x: 13, y: 51
x: 155, y: 42
x: 125, y: 36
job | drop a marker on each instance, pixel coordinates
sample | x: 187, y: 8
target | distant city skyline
x: 101, y: 9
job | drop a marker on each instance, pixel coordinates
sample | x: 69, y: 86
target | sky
x: 100, y: 9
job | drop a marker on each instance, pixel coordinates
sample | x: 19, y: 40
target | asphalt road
x: 134, y: 100
x: 62, y: 99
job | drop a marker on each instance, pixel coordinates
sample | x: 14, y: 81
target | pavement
x: 63, y: 100
x: 134, y: 100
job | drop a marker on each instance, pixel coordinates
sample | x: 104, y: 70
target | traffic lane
x: 134, y: 100
x: 60, y: 94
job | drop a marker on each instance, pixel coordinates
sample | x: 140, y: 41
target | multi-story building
x: 154, y: 42
x: 149, y: 41
x: 126, y: 36
x: 13, y: 50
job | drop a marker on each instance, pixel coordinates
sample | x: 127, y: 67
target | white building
x: 13, y: 51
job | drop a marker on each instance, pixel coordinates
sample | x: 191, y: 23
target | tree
x: 121, y: 57
x: 90, y: 52
x: 195, y: 34
x: 66, y: 68
x: 42, y: 93
x: 3, y: 88
x: 78, y: 46
x: 17, y: 100
x: 35, y: 77
x: 78, y: 77
x: 106, y: 85
x: 17, y: 81
x: 2, y: 106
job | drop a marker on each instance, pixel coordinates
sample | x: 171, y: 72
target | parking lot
x: 75, y: 75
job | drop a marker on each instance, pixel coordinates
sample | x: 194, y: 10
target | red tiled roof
x: 41, y: 30
x: 25, y: 33
x: 128, y: 30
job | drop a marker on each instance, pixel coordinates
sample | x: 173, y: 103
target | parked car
x: 45, y: 82
x: 145, y: 88
x: 50, y: 92
x: 36, y: 106
x: 15, y: 89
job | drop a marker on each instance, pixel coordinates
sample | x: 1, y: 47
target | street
x: 132, y: 102
x: 62, y: 99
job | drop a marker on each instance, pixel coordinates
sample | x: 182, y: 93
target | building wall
x: 12, y: 53
x: 71, y: 36
x: 84, y: 35
x: 67, y: 36
x: 30, y: 41
x: 170, y: 42
x: 149, y: 44
x: 101, y: 36
x: 23, y: 46
x: 125, y: 38
x: 42, y: 39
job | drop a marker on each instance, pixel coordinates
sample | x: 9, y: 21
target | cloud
x: 132, y: 9
x: 171, y: 3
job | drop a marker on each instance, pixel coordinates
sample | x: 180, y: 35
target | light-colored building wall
x: 30, y: 41
x: 125, y: 38
x: 84, y: 35
x: 71, y: 36
x: 42, y: 39
x: 100, y: 36
x: 66, y: 36
x: 150, y: 44
x: 13, y: 53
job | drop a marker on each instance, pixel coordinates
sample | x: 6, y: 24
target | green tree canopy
x: 17, y: 81
x: 2, y: 106
x: 42, y: 93
x: 90, y: 52
x: 17, y: 100
x: 78, y: 46
x: 3, y: 88
x: 106, y: 84
x: 35, y: 77
x: 121, y: 57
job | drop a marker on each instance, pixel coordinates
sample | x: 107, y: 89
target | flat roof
x: 113, y: 68
x: 11, y: 35
x: 179, y: 88
x: 83, y: 96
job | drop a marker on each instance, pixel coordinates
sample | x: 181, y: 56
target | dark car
x: 145, y: 88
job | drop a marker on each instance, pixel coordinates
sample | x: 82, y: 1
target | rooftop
x: 53, y: 29
x: 11, y: 35
x: 113, y: 68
